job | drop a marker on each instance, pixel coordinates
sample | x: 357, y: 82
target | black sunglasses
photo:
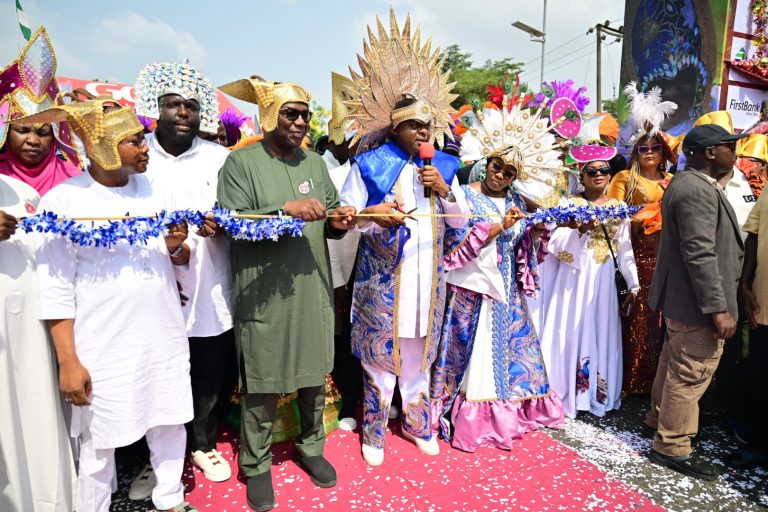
x: 292, y: 114
x: 592, y: 172
x: 507, y: 174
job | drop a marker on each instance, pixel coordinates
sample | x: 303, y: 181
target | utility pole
x: 600, y: 29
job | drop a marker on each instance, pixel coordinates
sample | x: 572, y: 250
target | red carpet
x: 539, y: 474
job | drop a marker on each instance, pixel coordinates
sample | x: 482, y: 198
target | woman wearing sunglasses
x: 584, y: 361
x: 489, y: 384
x: 644, y: 182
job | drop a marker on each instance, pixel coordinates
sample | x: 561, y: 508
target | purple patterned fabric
x: 375, y: 415
x: 466, y: 250
x: 500, y: 422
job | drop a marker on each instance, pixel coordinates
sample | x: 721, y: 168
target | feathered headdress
x: 232, y: 121
x: 396, y: 65
x: 516, y: 95
x: 556, y: 89
x: 522, y: 138
x: 648, y: 111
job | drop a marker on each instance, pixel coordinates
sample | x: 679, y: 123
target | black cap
x: 706, y: 135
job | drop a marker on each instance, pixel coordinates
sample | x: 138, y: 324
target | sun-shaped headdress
x: 520, y: 137
x: 396, y: 65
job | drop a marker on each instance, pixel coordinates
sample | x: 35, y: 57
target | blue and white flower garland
x: 137, y: 230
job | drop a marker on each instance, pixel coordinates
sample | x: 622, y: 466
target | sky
x: 304, y: 40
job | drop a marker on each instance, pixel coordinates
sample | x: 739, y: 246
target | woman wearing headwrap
x: 581, y: 335
x: 28, y: 152
x: 489, y: 383
x: 644, y: 182
x: 38, y: 471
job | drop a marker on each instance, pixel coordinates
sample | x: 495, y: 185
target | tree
x: 319, y: 122
x: 612, y: 107
x: 470, y: 79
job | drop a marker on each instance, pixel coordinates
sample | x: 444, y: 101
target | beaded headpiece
x: 161, y: 78
x: 396, y: 65
x: 269, y: 96
x: 520, y: 137
x: 28, y: 85
x: 587, y: 153
x: 99, y: 131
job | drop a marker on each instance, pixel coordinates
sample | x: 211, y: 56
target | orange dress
x: 642, y: 330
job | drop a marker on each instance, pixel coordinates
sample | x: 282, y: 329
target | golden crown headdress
x: 396, y: 65
x: 520, y: 137
x: 339, y: 123
x: 99, y: 131
x: 269, y: 96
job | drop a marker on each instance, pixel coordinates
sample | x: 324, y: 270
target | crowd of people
x: 415, y: 270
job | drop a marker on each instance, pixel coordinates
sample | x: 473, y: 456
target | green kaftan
x: 282, y: 290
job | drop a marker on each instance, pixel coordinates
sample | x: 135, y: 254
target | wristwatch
x: 178, y: 251
x: 450, y: 197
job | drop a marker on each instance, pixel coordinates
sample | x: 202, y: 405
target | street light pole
x: 543, y: 41
x: 537, y: 36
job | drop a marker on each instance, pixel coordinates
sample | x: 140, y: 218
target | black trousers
x: 213, y: 372
x: 757, y: 388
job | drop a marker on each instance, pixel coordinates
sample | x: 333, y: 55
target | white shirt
x: 342, y: 252
x: 129, y: 328
x: 740, y: 196
x: 418, y: 252
x: 191, y: 179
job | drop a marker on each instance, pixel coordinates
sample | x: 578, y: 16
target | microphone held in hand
x: 427, y: 152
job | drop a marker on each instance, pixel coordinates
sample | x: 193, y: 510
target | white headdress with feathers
x: 648, y: 111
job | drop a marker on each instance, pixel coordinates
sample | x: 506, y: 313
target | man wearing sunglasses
x: 695, y: 285
x: 284, y: 318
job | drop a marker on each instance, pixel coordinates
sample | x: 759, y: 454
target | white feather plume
x: 648, y: 111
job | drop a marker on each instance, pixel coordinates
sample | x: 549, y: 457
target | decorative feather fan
x: 648, y: 111
x: 521, y: 137
x: 396, y: 64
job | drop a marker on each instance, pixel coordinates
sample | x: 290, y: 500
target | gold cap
x: 342, y: 90
x: 269, y: 96
x: 99, y: 131
x: 721, y: 118
x: 754, y: 146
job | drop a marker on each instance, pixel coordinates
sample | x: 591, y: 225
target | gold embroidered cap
x: 269, y: 96
x: 754, y: 146
x: 99, y: 131
x: 341, y: 88
x: 719, y: 117
x: 396, y: 65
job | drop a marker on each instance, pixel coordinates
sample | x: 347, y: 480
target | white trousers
x: 414, y: 390
x: 167, y: 448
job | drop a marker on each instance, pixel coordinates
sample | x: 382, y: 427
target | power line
x: 613, y: 71
x: 565, y: 56
x: 554, y: 49
x: 575, y: 59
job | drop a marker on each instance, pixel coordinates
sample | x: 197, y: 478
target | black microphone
x: 427, y: 153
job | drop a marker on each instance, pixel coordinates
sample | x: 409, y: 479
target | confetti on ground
x: 595, y: 464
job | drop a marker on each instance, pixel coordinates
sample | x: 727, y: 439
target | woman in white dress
x: 581, y: 335
x: 37, y: 470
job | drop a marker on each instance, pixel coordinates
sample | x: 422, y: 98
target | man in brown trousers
x: 695, y: 285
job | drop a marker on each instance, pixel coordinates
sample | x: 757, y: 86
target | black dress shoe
x: 320, y: 470
x: 261, y: 496
x: 648, y: 432
x: 693, y: 466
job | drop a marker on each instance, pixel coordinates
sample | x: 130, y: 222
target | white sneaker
x: 347, y: 424
x: 426, y: 446
x: 373, y: 456
x: 212, y: 464
x: 394, y: 412
x: 143, y: 485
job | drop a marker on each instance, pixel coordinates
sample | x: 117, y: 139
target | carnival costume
x: 490, y: 384
x: 27, y: 86
x: 399, y: 288
x: 642, y: 330
x: 584, y: 361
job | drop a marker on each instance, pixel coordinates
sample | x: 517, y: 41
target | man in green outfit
x: 282, y: 290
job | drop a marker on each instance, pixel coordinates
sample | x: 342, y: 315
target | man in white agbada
x: 36, y: 467
x: 185, y: 168
x: 114, y: 313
